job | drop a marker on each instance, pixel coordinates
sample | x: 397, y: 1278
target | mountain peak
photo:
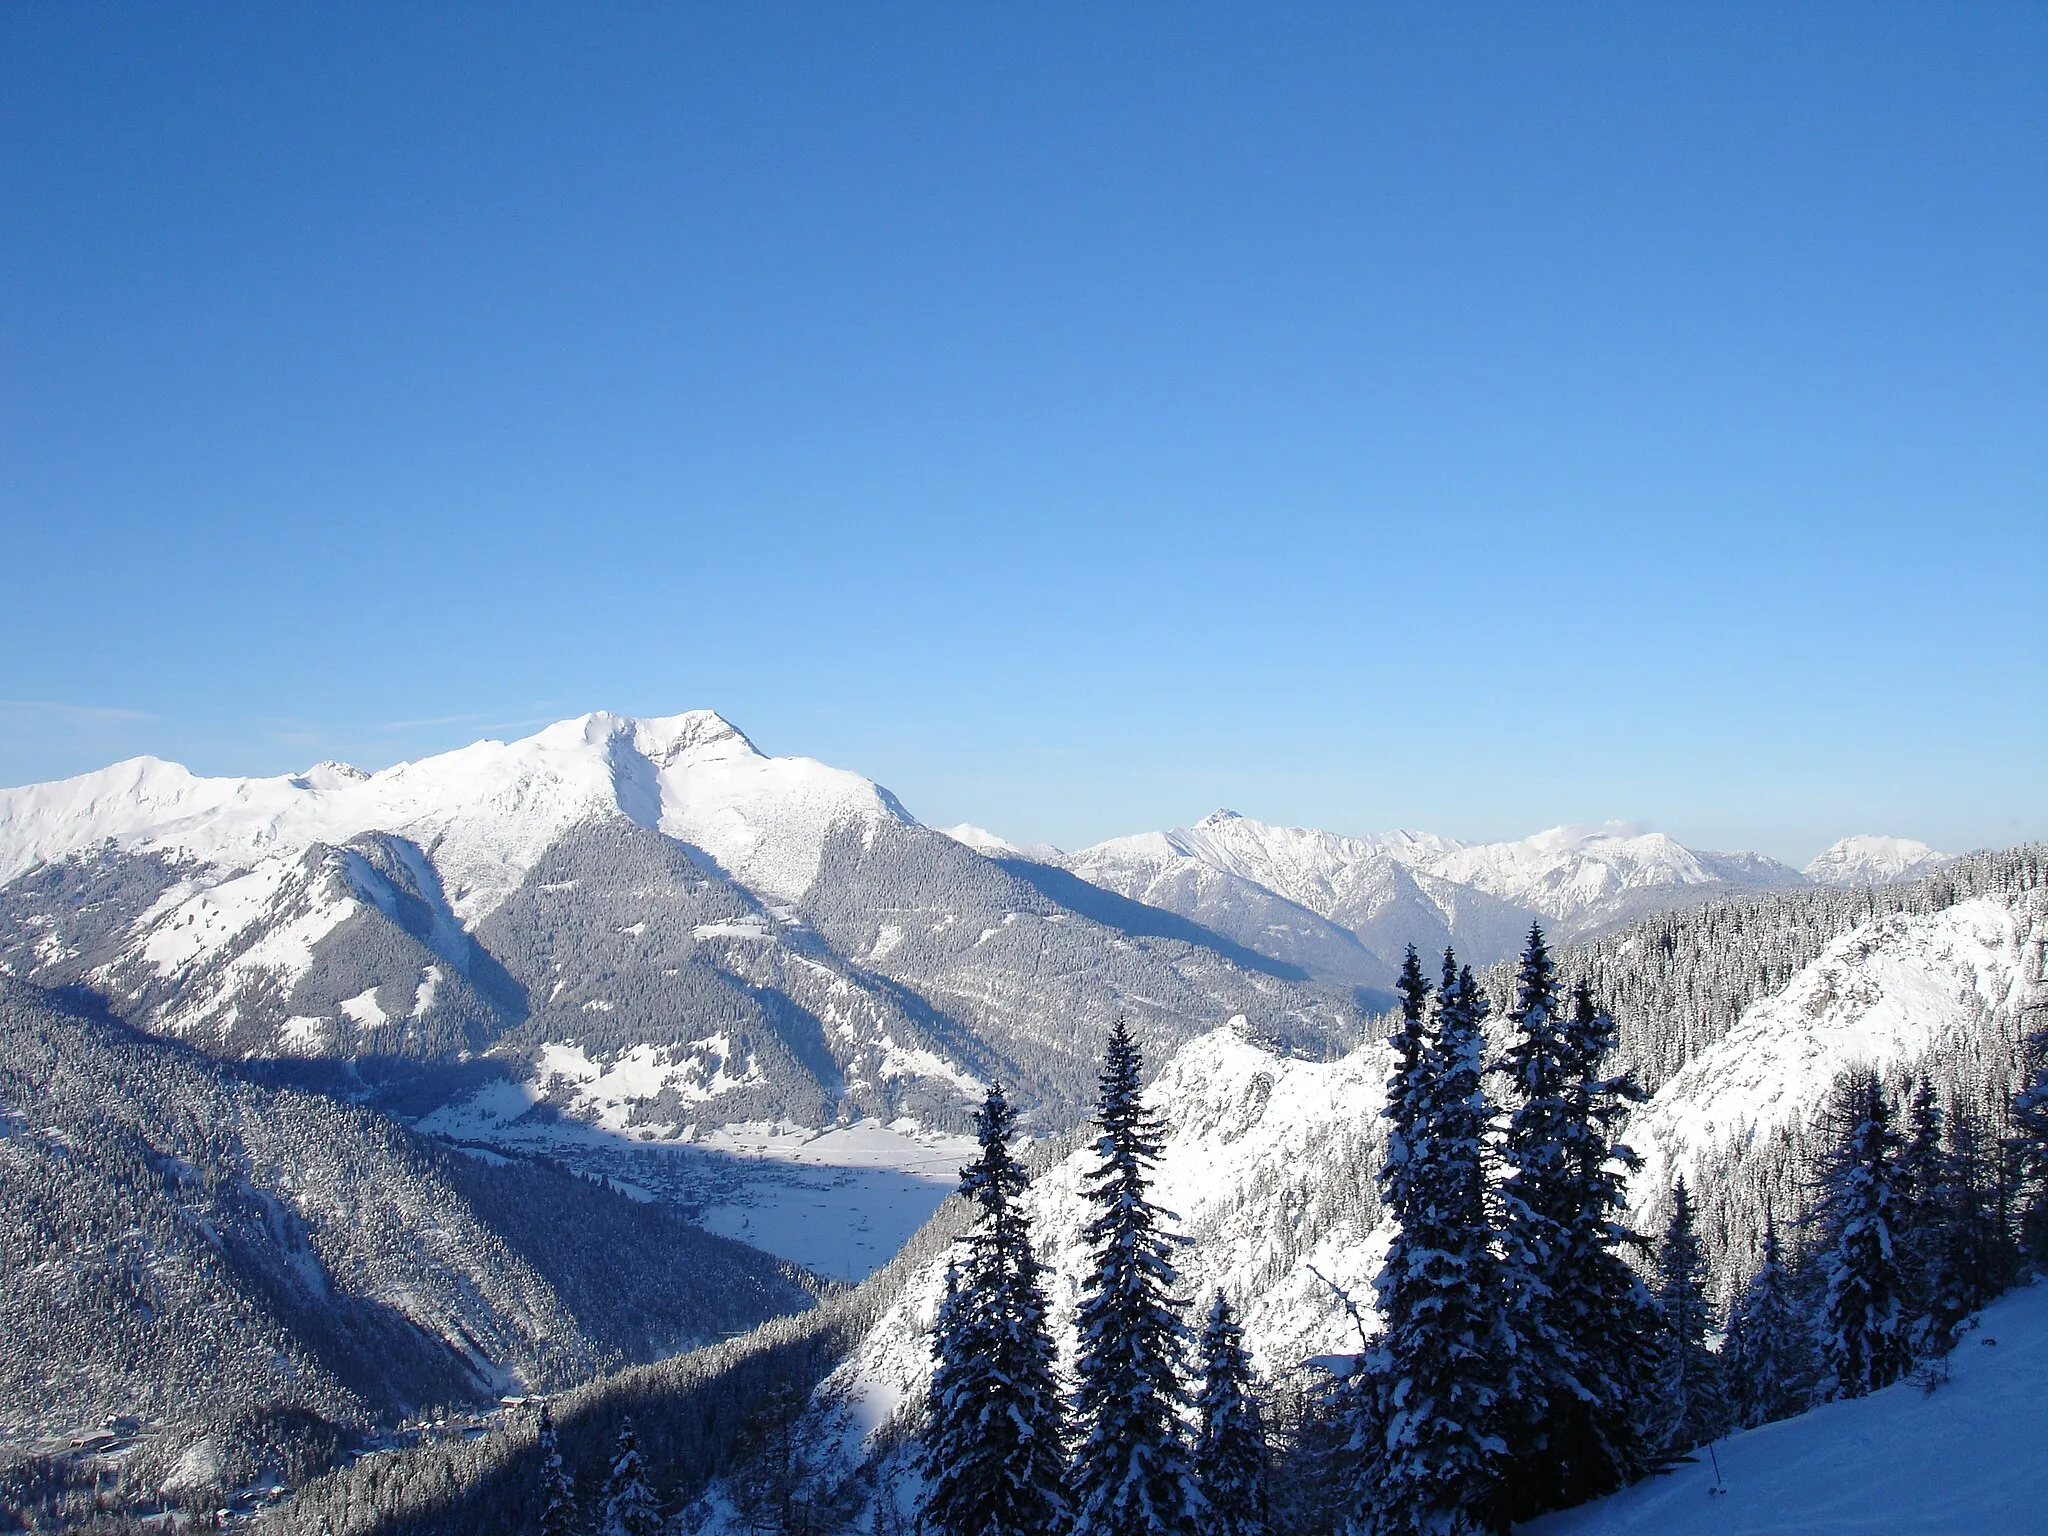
x: 698, y: 734
x: 1864, y: 859
x: 1218, y: 818
x: 329, y: 774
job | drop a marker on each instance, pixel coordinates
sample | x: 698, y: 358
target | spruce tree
x: 1769, y: 1344
x: 629, y: 1504
x: 1230, y: 1438
x: 1864, y: 1338
x: 1362, y: 1402
x: 994, y: 1446
x: 1447, y: 1335
x: 1691, y: 1400
x: 1539, y: 1201
x: 556, y: 1496
x: 1594, y: 1359
x: 1132, y: 1475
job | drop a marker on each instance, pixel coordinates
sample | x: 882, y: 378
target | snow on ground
x: 610, y: 1092
x: 840, y: 1202
x: 1967, y: 1460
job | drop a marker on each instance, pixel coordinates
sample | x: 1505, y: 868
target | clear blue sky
x: 1076, y: 417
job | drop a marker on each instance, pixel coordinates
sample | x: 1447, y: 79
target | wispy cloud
x: 414, y: 725
x: 80, y: 712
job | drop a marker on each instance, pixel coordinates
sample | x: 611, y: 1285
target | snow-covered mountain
x: 631, y: 934
x: 1403, y: 887
x: 1270, y: 1160
x: 487, y: 812
x: 1585, y: 878
x: 614, y: 936
x: 1874, y: 861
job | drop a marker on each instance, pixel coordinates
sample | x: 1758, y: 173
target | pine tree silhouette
x: 1438, y: 1367
x: 1769, y: 1349
x: 556, y: 1496
x: 1865, y: 1342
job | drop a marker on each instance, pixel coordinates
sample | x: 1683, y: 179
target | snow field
x: 1968, y: 1459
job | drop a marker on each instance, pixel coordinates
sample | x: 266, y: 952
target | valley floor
x: 840, y: 1202
x: 1970, y: 1457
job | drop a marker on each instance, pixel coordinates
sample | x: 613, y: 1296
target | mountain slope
x: 1901, y: 1462
x: 217, y: 1258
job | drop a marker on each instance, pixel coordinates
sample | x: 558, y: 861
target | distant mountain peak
x: 1219, y: 817
x: 981, y: 840
x: 1864, y: 859
x: 329, y: 774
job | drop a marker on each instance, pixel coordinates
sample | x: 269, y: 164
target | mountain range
x: 650, y: 923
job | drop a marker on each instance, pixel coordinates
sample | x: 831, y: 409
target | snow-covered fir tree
x: 1591, y: 1350
x: 1437, y: 1367
x: 630, y: 1508
x: 994, y: 1447
x: 555, y: 1498
x: 1769, y: 1349
x: 1132, y: 1474
x: 1539, y: 1201
x: 1230, y: 1436
x: 1361, y: 1403
x: 1863, y: 1314
x: 1691, y: 1400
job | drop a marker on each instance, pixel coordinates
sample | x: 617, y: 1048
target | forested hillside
x: 256, y: 1276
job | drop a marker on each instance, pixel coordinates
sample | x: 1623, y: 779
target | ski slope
x: 1969, y: 1459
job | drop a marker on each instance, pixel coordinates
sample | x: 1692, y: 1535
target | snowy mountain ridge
x: 1864, y: 860
x: 1403, y: 887
x: 487, y: 810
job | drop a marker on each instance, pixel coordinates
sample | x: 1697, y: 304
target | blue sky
x: 1076, y: 417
